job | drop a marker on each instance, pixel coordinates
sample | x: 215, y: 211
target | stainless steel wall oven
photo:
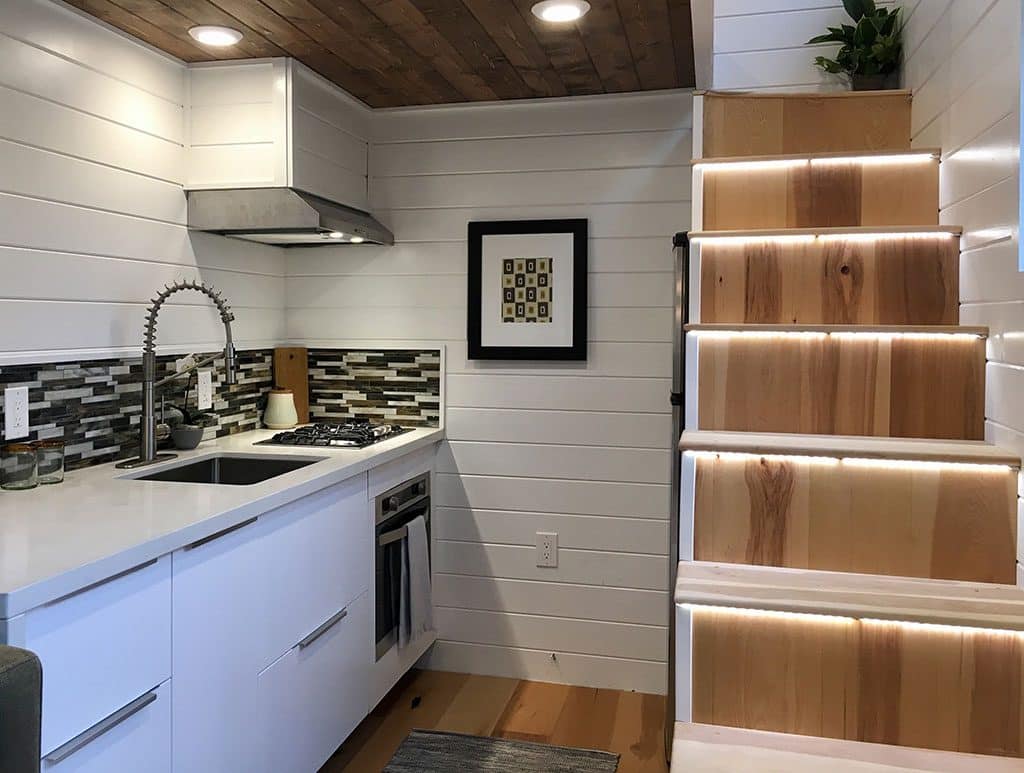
x: 393, y: 511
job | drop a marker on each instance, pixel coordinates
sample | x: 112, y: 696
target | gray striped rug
x: 427, y: 751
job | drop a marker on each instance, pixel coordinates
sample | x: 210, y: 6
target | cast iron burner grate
x: 351, y: 434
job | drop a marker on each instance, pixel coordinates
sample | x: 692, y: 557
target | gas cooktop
x: 352, y: 434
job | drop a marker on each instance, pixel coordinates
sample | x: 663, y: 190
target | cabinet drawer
x: 134, y: 738
x: 317, y: 554
x: 318, y: 691
x: 101, y: 648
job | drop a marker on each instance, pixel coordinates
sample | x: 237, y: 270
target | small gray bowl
x: 186, y: 436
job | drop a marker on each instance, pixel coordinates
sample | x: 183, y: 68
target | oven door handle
x: 393, y: 536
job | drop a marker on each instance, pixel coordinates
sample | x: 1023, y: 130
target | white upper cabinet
x: 275, y: 123
x: 237, y: 125
x: 329, y: 133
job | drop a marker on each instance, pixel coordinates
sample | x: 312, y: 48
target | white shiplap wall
x: 964, y: 66
x: 578, y: 449
x: 92, y: 211
x: 759, y: 45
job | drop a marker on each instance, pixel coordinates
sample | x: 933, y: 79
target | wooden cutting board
x: 291, y: 371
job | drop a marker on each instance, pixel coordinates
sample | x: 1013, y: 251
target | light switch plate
x: 15, y: 413
x: 205, y: 390
x: 547, y: 549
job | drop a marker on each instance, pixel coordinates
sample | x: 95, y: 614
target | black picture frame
x: 579, y: 229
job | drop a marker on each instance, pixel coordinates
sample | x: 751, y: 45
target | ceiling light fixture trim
x: 561, y: 11
x: 215, y: 35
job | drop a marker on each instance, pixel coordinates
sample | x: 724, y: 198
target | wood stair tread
x: 935, y: 153
x: 974, y: 330
x: 814, y: 95
x: 849, y: 446
x: 809, y: 591
x: 701, y: 748
x: 856, y: 230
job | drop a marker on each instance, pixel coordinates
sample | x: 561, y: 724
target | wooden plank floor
x: 629, y: 724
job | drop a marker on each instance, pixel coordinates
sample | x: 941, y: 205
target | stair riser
x: 890, y: 281
x: 765, y: 126
x: 861, y: 385
x: 934, y: 522
x: 921, y: 686
x: 819, y: 195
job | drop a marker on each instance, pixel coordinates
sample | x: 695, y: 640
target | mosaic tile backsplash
x: 94, y: 405
x: 396, y: 385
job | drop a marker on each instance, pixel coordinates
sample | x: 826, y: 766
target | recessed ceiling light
x: 336, y: 235
x: 357, y: 240
x: 560, y: 11
x: 212, y: 35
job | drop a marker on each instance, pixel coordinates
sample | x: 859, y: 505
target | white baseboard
x: 581, y: 670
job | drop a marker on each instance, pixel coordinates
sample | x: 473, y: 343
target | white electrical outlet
x: 15, y: 413
x: 205, y: 390
x: 547, y: 549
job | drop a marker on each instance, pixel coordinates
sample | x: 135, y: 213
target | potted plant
x: 870, y: 50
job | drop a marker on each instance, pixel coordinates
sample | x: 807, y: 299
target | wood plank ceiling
x: 420, y: 52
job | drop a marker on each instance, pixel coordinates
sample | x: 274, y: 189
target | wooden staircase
x: 847, y: 595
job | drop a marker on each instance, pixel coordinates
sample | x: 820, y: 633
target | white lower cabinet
x: 248, y: 650
x: 285, y: 582
x: 137, y: 737
x: 216, y: 605
x: 315, y: 694
x: 317, y: 559
x: 101, y: 648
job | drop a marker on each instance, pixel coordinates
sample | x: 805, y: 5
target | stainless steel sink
x: 229, y: 470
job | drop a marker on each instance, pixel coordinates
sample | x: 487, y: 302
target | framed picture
x: 528, y: 290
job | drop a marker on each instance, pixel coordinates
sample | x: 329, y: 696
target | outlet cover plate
x: 547, y: 549
x: 205, y: 390
x: 15, y: 413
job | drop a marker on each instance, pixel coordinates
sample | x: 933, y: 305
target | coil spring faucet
x: 147, y: 443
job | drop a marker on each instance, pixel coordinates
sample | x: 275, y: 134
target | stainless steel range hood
x: 282, y: 216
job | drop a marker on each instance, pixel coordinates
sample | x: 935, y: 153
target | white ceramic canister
x: 280, y: 413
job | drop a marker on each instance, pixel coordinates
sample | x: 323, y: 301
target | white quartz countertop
x: 57, y: 539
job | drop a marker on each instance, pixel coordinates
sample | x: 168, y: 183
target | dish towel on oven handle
x: 416, y: 609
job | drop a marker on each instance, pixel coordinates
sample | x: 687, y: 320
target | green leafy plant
x: 873, y: 46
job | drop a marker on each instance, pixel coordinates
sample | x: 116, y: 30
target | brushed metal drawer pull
x: 222, y: 533
x: 323, y: 629
x: 104, y: 725
x: 105, y: 580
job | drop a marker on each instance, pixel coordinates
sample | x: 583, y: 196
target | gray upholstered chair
x: 21, y: 696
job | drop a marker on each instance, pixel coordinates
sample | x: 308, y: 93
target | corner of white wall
x: 702, y: 19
